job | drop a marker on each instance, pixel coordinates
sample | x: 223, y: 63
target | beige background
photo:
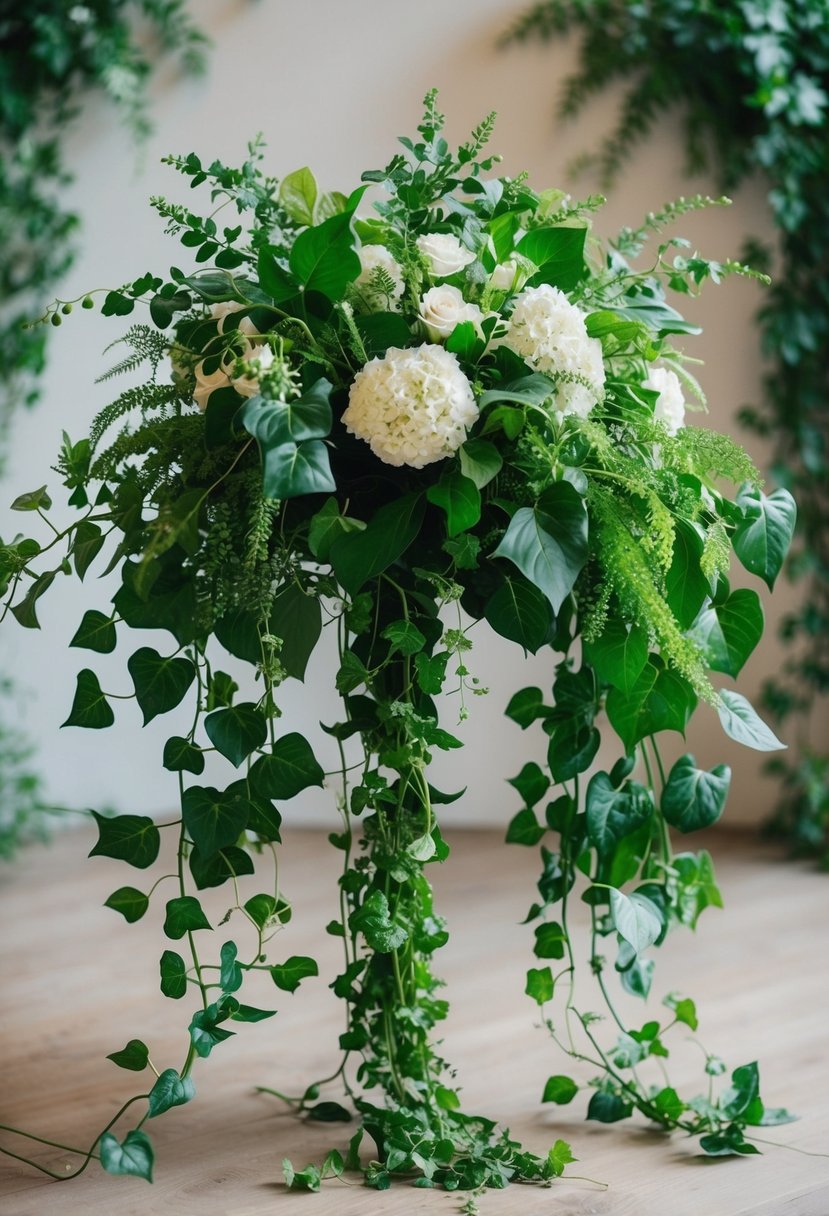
x: 331, y: 84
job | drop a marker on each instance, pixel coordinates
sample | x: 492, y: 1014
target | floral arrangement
x: 450, y: 405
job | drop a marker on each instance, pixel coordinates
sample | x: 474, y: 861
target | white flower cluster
x: 550, y: 334
x: 670, y: 404
x: 412, y: 406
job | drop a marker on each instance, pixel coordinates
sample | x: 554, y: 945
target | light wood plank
x: 78, y: 983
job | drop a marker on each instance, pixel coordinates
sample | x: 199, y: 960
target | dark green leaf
x: 520, y: 612
x: 213, y: 819
x: 131, y: 838
x: 728, y: 631
x: 182, y: 756
x: 532, y: 784
x: 328, y: 1112
x: 205, y: 1029
x: 160, y: 684
x: 173, y: 975
x: 247, y: 1013
x: 374, y: 921
x: 90, y: 708
x: 327, y: 526
x: 135, y: 1156
x: 236, y: 732
x: 324, y: 258
x: 525, y: 829
x: 288, y: 975
x: 230, y: 973
x: 614, y: 813
x: 548, y: 544
x: 290, y: 768
x: 133, y: 1057
x: 363, y: 555
x: 550, y: 940
x: 459, y: 498
x: 685, y: 584
x: 659, y: 700
x: 184, y: 915
x: 95, y: 632
x: 694, y: 798
x: 170, y: 1090
x: 229, y: 862
x: 296, y: 619
x: 86, y: 545
x: 25, y: 612
x: 404, y: 637
x: 480, y: 461
x: 132, y: 904
x: 526, y: 706
x: 604, y: 1107
x: 761, y: 539
x: 618, y: 655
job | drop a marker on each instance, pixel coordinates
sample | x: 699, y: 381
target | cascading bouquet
x: 455, y: 406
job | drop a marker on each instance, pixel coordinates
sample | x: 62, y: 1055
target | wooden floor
x: 78, y: 983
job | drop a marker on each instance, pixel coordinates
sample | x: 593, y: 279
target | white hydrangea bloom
x: 442, y: 308
x: 670, y: 404
x: 550, y: 334
x: 444, y: 253
x: 373, y: 257
x: 411, y: 406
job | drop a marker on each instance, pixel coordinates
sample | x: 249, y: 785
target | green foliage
x: 751, y: 81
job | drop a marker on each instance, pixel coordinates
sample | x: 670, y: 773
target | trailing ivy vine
x: 751, y: 80
x: 51, y: 56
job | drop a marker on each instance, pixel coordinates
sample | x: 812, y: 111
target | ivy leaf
x: 520, y: 612
x: 480, y: 461
x: 550, y: 940
x: 230, y: 973
x: 229, y: 862
x: 531, y: 783
x: 184, y: 915
x: 323, y: 258
x: 132, y: 904
x: 740, y: 722
x: 213, y: 820
x: 361, y: 556
x: 636, y: 919
x: 90, y: 708
x: 614, y: 813
x: 33, y: 500
x: 160, y: 684
x: 525, y: 829
x: 292, y: 470
x: 658, y: 700
x: 328, y: 1112
x: 526, y: 706
x: 290, y: 768
x: 95, y: 632
x: 273, y: 423
x: 561, y: 1090
x: 86, y: 545
x: 540, y: 984
x: 25, y: 612
x: 170, y: 1090
x: 548, y: 543
x: 694, y: 798
x: 205, y: 1029
x: 405, y: 637
x: 131, y: 838
x: 133, y: 1057
x: 236, y: 732
x: 289, y: 975
x: 728, y: 632
x: 374, y: 921
x: 135, y: 1156
x: 182, y: 756
x: 605, y: 1107
x: 560, y: 1156
x: 618, y: 655
x: 296, y: 618
x: 686, y: 587
x: 459, y: 498
x: 173, y: 975
x: 762, y: 537
x: 247, y: 1013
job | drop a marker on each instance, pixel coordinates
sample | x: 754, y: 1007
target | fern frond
x: 147, y: 346
x: 143, y: 397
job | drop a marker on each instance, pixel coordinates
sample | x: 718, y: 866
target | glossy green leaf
x: 459, y: 499
x: 363, y: 555
x: 694, y: 798
x: 173, y: 975
x: 133, y: 1156
x: 636, y: 919
x: 728, y: 632
x: 131, y: 903
x: 741, y: 722
x: 213, y: 819
x: 480, y: 461
x: 658, y: 700
x: 170, y: 1090
x: 532, y: 783
x: 558, y: 253
x: 160, y: 684
x: 324, y: 258
x: 229, y: 862
x: 686, y: 587
x: 519, y: 611
x: 206, y: 1031
x: 526, y: 707
x: 605, y: 1107
x: 132, y: 1057
x: 540, y: 984
x: 618, y: 655
x: 374, y: 921
x: 287, y: 770
x: 236, y: 732
x: 550, y: 940
x: 289, y: 975
x: 182, y: 756
x: 131, y: 838
x: 95, y: 632
x: 548, y: 543
x: 525, y: 829
x: 90, y: 708
x: 614, y: 813
x: 230, y: 972
x: 761, y: 539
x: 184, y: 915
x: 296, y: 619
x: 561, y: 1090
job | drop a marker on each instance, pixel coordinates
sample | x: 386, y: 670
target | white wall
x: 331, y: 84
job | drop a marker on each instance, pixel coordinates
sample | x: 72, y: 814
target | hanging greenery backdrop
x: 751, y: 78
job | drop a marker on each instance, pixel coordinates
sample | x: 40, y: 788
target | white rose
x: 444, y: 253
x: 373, y: 258
x: 442, y: 308
x: 670, y: 404
x: 260, y: 359
x: 505, y: 276
x: 207, y: 384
